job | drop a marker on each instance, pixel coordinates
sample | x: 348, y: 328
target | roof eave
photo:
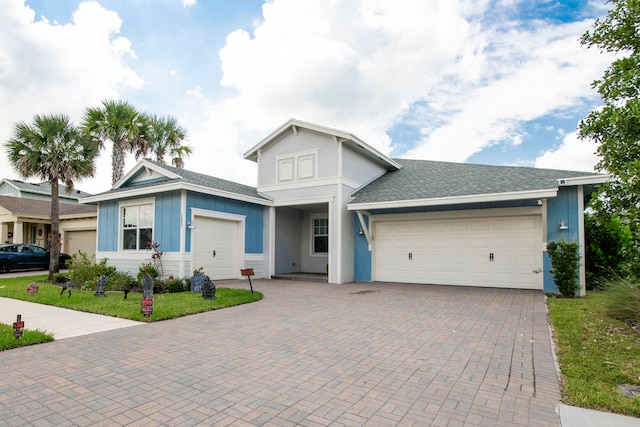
x: 455, y: 200
x: 139, y: 192
x: 585, y: 180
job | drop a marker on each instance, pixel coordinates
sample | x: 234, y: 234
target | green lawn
x: 8, y: 341
x: 596, y: 353
x: 165, y: 306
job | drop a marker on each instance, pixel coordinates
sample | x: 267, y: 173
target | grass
x: 596, y: 353
x: 165, y: 306
x: 30, y: 337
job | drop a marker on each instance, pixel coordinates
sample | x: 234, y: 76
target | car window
x: 37, y: 249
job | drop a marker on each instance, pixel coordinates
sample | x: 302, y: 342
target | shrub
x: 147, y: 268
x: 565, y: 261
x: 84, y: 272
x: 606, y: 250
x: 60, y: 278
x: 175, y: 285
x: 622, y: 300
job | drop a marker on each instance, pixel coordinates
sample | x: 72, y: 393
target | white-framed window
x: 319, y: 235
x: 136, y: 225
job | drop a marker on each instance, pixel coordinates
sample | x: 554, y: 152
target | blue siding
x: 362, y: 256
x: 253, y: 213
x: 167, y: 221
x: 564, y: 207
x: 108, y: 226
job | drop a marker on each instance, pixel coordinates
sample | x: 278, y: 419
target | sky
x: 501, y: 82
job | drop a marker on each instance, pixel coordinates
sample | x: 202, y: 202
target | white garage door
x: 80, y: 241
x: 215, y: 247
x: 494, y: 252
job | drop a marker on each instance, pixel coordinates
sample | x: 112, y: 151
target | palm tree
x: 164, y: 137
x: 123, y: 125
x: 54, y: 150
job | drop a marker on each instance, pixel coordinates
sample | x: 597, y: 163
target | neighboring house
x: 327, y: 202
x: 38, y: 191
x: 25, y: 220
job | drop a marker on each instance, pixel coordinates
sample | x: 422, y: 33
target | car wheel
x: 5, y: 267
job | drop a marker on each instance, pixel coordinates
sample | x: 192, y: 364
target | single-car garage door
x: 215, y: 247
x: 80, y: 241
x: 500, y: 252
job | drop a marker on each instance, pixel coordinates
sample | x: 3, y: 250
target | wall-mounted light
x: 361, y: 232
x: 562, y: 225
x: 191, y: 225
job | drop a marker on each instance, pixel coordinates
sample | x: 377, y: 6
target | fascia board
x: 147, y: 165
x: 78, y: 216
x: 480, y: 198
x: 138, y: 192
x: 584, y: 180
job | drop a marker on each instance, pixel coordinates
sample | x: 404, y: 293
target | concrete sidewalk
x: 61, y: 322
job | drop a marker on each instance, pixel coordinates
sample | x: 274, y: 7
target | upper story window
x: 137, y: 226
x: 297, y: 167
x: 320, y: 232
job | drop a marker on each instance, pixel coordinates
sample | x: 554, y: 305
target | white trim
x: 129, y: 203
x: 479, y: 198
x: 309, y: 184
x: 137, y: 192
x: 217, y: 215
x: 297, y: 202
x: 464, y: 213
x: 312, y: 218
x: 183, y: 227
x: 585, y: 180
x: 272, y: 241
x: 251, y: 154
x: 363, y: 225
x: 581, y: 240
x: 146, y: 165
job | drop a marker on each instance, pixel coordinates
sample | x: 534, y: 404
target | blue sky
x: 485, y: 81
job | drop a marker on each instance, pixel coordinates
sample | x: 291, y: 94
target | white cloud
x: 50, y: 68
x: 526, y: 74
x: 188, y: 3
x: 573, y: 154
x: 355, y: 65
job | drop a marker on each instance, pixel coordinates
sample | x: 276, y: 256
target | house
x: 27, y: 220
x: 38, y: 191
x: 327, y: 202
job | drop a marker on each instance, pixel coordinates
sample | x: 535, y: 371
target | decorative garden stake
x: 33, y: 289
x: 102, y: 283
x: 17, y: 327
x: 146, y: 304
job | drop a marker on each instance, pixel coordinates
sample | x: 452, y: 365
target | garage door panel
x: 459, y: 251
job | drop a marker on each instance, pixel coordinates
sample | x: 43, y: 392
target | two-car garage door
x: 500, y: 252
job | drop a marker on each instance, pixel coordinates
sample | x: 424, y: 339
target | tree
x: 616, y: 126
x: 123, y: 125
x: 165, y: 136
x: 54, y: 150
x: 606, y: 249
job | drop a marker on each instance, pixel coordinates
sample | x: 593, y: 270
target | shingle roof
x: 424, y: 179
x: 195, y: 179
x: 45, y: 188
x: 41, y: 208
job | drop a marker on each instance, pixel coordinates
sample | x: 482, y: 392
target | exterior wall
x: 169, y: 222
x: 568, y: 207
x: 7, y: 190
x: 288, y: 242
x: 357, y: 168
x: 253, y: 213
x: 311, y: 263
x: 304, y: 141
x: 362, y: 266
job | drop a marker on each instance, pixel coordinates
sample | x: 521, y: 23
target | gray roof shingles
x: 42, y: 208
x: 45, y: 188
x: 424, y: 179
x: 194, y: 178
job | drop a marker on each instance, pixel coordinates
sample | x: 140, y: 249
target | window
x: 320, y: 236
x: 137, y: 227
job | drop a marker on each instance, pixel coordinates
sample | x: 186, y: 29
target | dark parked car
x: 22, y: 256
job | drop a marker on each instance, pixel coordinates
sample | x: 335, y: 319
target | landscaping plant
x: 565, y: 261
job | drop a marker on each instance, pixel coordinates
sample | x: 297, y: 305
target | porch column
x: 18, y: 237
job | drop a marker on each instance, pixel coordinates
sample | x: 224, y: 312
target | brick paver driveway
x: 308, y: 354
